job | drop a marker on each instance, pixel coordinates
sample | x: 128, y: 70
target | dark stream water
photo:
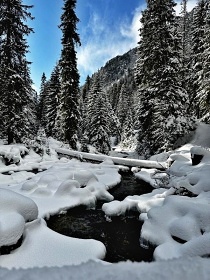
x: 120, y: 236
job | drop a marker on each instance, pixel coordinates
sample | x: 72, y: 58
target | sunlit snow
x: 175, y: 214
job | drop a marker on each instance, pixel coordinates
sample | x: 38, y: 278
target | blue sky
x: 107, y: 28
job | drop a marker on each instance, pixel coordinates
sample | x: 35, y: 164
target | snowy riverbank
x: 178, y: 224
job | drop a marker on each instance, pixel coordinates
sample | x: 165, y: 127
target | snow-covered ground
x: 186, y: 269
x: 178, y: 224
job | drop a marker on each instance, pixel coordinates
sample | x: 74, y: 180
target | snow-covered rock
x: 11, y: 201
x: 15, y: 211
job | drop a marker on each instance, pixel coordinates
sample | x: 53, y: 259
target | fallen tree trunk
x: 122, y: 161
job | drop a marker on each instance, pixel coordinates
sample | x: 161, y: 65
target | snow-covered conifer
x: 16, y: 93
x: 51, y: 103
x: 42, y: 100
x: 204, y: 89
x: 123, y: 105
x: 163, y: 101
x: 98, y: 118
x: 198, y: 29
x: 69, y: 97
x: 186, y: 46
x: 127, y: 135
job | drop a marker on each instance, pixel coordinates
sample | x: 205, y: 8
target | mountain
x: 117, y: 72
x: 118, y: 68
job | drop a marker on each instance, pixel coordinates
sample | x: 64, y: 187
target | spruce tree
x: 123, y: 105
x: 51, y: 103
x: 186, y: 47
x: 114, y: 95
x: 83, y: 108
x: 127, y: 136
x: 144, y: 77
x: 184, y: 32
x: 16, y: 93
x: 204, y: 89
x: 42, y: 100
x: 86, y: 88
x: 98, y: 118
x: 198, y: 30
x: 163, y: 101
x: 69, y: 97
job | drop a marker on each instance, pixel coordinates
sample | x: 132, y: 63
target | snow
x: 179, y: 217
x: 117, y: 160
x: 44, y: 247
x: 14, y: 202
x: 12, y: 228
x: 188, y: 269
x: 140, y: 203
x: 15, y: 210
x: 63, y: 185
x: 176, y: 213
x: 176, y: 224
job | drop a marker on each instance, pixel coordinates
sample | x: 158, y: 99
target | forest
x: 151, y: 103
x: 115, y: 170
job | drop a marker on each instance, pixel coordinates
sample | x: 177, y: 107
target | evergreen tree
x: 58, y: 131
x: 204, y: 89
x: 86, y: 88
x: 69, y: 98
x: 123, y: 105
x: 51, y: 103
x: 143, y: 74
x: 114, y: 123
x: 83, y: 107
x: 163, y: 116
x: 42, y: 100
x: 98, y: 131
x: 30, y: 112
x: 127, y: 138
x: 186, y: 47
x: 184, y: 32
x: 198, y: 29
x: 16, y: 93
x: 113, y: 95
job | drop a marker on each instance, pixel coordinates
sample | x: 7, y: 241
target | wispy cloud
x: 106, y: 42
x: 132, y: 31
x: 96, y: 24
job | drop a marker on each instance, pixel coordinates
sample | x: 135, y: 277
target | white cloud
x: 106, y: 42
x: 96, y: 24
x: 132, y: 31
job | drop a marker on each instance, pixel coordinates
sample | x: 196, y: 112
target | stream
x: 120, y: 235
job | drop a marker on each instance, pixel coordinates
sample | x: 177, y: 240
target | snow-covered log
x: 117, y: 160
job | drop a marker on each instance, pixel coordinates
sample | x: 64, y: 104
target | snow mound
x: 43, y: 247
x: 142, y: 203
x: 183, y: 226
x: 16, y: 210
x: 11, y: 228
x: 99, y: 189
x: 13, y: 202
